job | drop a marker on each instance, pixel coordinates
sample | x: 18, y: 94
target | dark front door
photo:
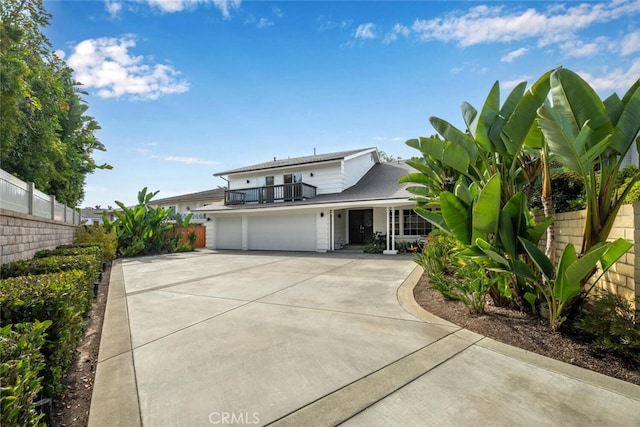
x: 360, y: 226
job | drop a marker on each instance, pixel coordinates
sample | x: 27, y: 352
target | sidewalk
x: 305, y: 339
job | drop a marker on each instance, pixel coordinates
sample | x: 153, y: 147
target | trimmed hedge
x: 88, y: 264
x: 68, y: 250
x: 96, y: 234
x: 20, y: 364
x: 60, y: 297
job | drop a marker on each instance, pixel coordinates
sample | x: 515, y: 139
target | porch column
x: 391, y: 251
x: 332, y: 243
x: 387, y: 234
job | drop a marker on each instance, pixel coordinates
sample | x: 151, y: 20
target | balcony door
x: 292, y: 191
x: 360, y: 226
x: 266, y: 192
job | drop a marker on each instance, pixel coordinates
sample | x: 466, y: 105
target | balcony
x: 270, y: 194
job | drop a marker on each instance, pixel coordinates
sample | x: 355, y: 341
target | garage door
x: 228, y: 233
x: 283, y: 232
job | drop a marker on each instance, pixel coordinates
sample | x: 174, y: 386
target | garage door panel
x: 283, y: 232
x: 228, y: 233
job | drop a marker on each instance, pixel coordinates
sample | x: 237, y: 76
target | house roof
x: 215, y: 194
x: 379, y: 183
x: 295, y: 161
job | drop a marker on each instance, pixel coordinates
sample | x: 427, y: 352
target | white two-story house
x: 314, y: 203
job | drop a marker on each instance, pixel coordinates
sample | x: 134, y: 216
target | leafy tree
x: 45, y: 137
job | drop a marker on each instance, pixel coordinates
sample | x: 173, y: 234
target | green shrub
x: 71, y: 250
x: 613, y: 325
x: 88, y: 264
x: 59, y: 297
x: 471, y: 286
x: 634, y: 194
x: 97, y: 234
x: 567, y: 192
x: 20, y: 364
x: 436, y: 259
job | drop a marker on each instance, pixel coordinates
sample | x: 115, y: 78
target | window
x: 292, y: 178
x: 396, y: 222
x: 415, y: 225
x: 265, y: 180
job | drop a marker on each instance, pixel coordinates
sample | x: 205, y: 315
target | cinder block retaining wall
x: 623, y: 278
x: 22, y: 235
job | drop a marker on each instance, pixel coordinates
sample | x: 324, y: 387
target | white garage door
x: 228, y: 233
x: 282, y: 232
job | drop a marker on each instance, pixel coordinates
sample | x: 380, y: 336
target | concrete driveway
x: 231, y: 338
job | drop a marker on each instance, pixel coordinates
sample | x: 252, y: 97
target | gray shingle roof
x: 215, y: 194
x: 294, y: 161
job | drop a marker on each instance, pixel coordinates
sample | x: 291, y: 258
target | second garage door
x: 282, y: 232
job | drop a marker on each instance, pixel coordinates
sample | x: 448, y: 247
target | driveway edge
x: 114, y: 401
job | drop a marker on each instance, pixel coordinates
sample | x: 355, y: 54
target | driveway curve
x: 258, y: 338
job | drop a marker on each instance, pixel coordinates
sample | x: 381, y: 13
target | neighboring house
x: 186, y: 203
x: 93, y: 216
x: 314, y: 203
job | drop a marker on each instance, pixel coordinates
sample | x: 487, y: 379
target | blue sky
x: 186, y: 88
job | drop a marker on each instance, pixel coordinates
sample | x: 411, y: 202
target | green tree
x: 45, y: 137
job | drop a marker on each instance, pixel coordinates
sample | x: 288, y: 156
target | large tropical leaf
x: 501, y: 119
x: 521, y: 128
x: 579, y: 270
x: 456, y: 136
x: 470, y: 116
x: 576, y: 102
x: 488, y: 114
x: 628, y: 125
x: 614, y: 252
x: 560, y: 143
x: 456, y: 216
x: 486, y: 210
x: 563, y: 288
x: 541, y: 261
x: 434, y: 218
x: 507, y: 234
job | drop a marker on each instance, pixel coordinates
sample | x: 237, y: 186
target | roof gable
x: 295, y: 161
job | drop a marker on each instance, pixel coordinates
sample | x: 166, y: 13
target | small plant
x: 435, y: 259
x: 561, y: 285
x: 613, y: 325
x: 192, y: 237
x: 471, y: 285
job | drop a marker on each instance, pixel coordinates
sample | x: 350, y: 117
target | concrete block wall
x: 22, y: 235
x: 622, y: 277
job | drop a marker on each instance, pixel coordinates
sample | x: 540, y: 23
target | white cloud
x: 113, y: 7
x: 105, y: 64
x: 171, y: 6
x: 325, y: 23
x: 264, y: 22
x: 485, y: 24
x: 616, y: 80
x: 581, y: 49
x: 630, y: 44
x: 397, y: 30
x: 60, y: 54
x: 277, y: 12
x: 511, y: 56
x: 365, y: 31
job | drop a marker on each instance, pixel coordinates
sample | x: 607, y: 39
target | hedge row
x: 60, y: 297
x: 54, y: 289
x: 20, y: 366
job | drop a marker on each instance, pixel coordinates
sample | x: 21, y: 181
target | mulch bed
x: 527, y: 332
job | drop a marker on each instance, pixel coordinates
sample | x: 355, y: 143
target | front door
x: 360, y: 226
